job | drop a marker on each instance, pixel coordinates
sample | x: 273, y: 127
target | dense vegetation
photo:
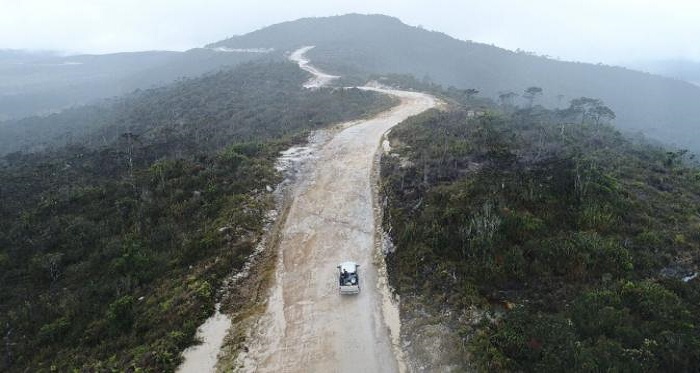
x: 575, y: 238
x: 112, y: 247
x: 356, y: 44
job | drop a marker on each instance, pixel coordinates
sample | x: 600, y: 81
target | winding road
x: 307, y: 325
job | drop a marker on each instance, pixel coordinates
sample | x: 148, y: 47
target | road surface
x: 307, y: 325
x: 319, y: 78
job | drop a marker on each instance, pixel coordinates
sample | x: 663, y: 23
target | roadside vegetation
x: 114, y: 238
x: 547, y: 240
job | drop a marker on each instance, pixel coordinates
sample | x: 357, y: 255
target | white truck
x: 348, y: 278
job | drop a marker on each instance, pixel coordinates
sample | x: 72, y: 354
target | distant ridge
x: 43, y: 82
x: 682, y: 69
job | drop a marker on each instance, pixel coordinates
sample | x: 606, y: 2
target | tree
x: 130, y: 138
x: 531, y: 93
x: 675, y: 158
x: 471, y: 92
x: 51, y: 263
x: 506, y: 98
x: 589, y: 108
x: 601, y: 112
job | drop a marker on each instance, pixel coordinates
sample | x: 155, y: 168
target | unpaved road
x: 319, y: 78
x: 308, y: 326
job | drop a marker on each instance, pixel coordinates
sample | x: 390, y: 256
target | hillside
x: 664, y: 108
x: 113, y: 246
x: 44, y: 82
x: 527, y: 243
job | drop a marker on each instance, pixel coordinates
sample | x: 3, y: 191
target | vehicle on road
x: 348, y: 278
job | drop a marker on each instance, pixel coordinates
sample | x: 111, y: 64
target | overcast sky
x: 609, y: 31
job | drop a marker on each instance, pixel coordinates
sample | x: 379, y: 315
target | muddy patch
x: 203, y: 357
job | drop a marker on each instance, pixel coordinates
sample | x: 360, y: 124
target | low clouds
x: 591, y: 31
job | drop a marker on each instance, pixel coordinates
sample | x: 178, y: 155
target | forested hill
x: 112, y: 247
x: 664, y: 108
x: 199, y: 112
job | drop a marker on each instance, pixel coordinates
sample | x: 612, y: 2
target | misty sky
x: 609, y: 31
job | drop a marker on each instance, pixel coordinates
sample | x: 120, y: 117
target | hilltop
x: 363, y: 45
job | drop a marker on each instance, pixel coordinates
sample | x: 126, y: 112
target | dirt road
x: 308, y: 326
x: 319, y: 78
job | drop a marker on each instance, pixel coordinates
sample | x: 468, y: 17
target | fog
x: 590, y: 31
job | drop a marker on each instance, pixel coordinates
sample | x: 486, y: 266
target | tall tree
x: 602, y: 112
x: 589, y: 108
x: 531, y: 93
x: 506, y: 98
x: 471, y: 92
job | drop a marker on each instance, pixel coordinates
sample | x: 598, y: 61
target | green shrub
x: 120, y: 314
